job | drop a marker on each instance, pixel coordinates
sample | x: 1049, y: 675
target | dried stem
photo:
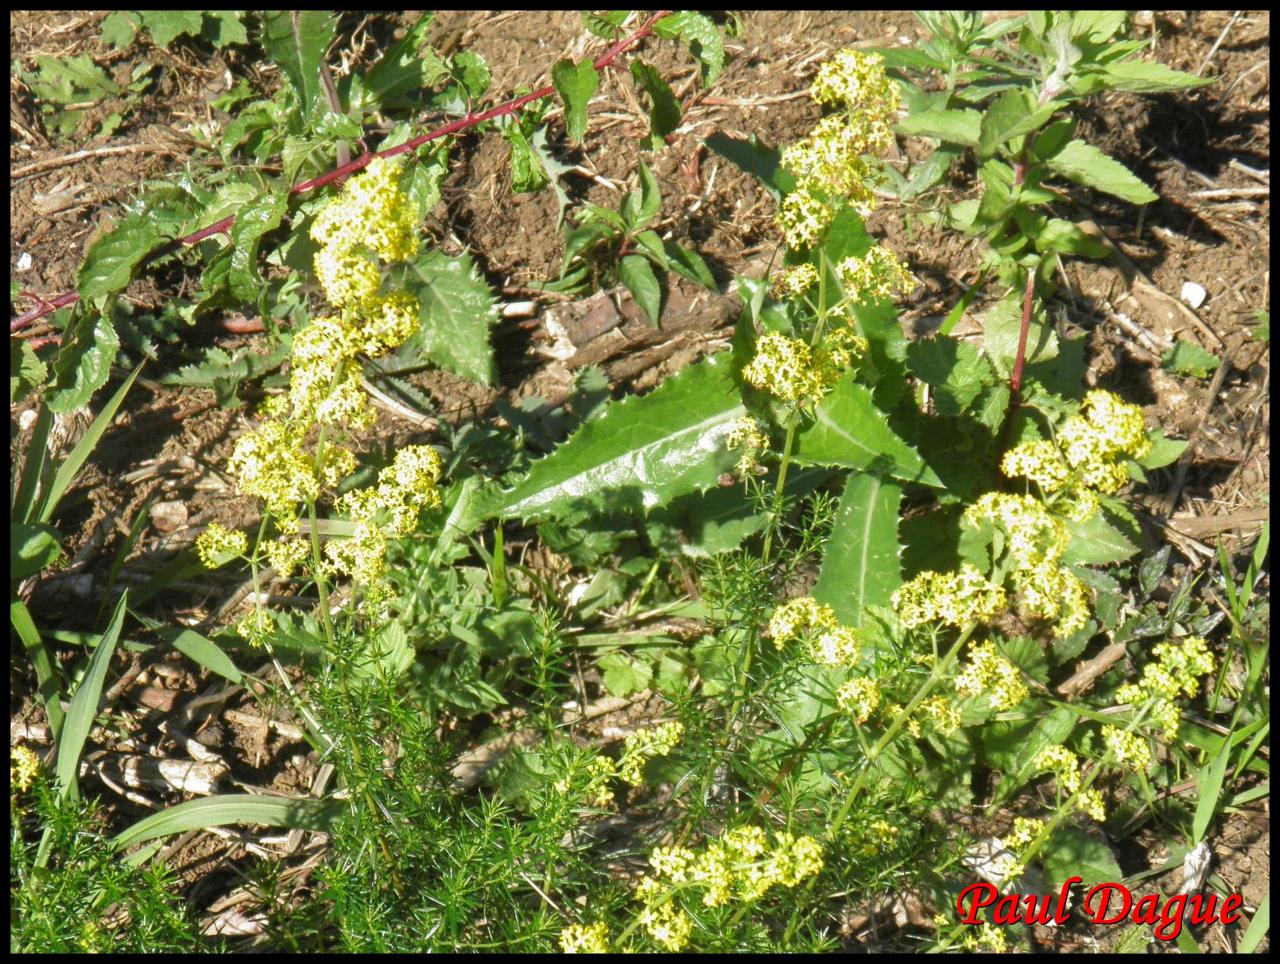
x: 461, y: 124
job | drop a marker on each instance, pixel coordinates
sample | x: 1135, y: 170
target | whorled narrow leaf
x: 652, y: 448
x: 862, y: 564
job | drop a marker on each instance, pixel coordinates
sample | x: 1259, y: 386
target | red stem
x: 462, y: 123
x: 1015, y: 380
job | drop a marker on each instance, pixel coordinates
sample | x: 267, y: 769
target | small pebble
x: 1193, y: 294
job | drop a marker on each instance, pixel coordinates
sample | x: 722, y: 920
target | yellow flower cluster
x: 1065, y: 766
x: 793, y: 281
x: 383, y: 512
x: 955, y: 598
x: 585, y: 939
x: 218, y: 545
x: 859, y: 697
x: 788, y: 369
x: 989, y: 674
x: 942, y: 713
x: 1128, y: 748
x: 1025, y: 830
x: 830, y: 162
x: 371, y: 216
x: 1087, y: 458
x: 815, y: 623
x: 743, y: 864
x: 1177, y: 671
x: 877, y: 276
x: 23, y: 767
x: 1035, y: 541
x: 748, y: 436
x: 643, y: 745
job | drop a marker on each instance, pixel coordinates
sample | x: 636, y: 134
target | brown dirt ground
x: 1207, y: 153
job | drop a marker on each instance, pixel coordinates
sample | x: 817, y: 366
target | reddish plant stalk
x: 463, y: 123
x: 1015, y: 380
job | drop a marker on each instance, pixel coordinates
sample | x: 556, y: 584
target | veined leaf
x: 755, y: 158
x: 664, y: 112
x: 1085, y: 164
x: 114, y: 258
x: 575, y: 84
x: 457, y: 311
x: 862, y: 565
x: 1149, y: 77
x: 637, y: 274
x: 953, y: 126
x: 659, y: 447
x: 298, y: 48
x: 849, y: 430
x: 253, y: 221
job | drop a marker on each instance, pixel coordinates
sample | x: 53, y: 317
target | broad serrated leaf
x: 1188, y: 358
x: 167, y: 25
x: 118, y: 29
x: 527, y: 173
x: 653, y: 448
x: 701, y: 36
x: 575, y: 83
x: 755, y: 158
x: 850, y: 431
x: 401, y: 70
x: 636, y: 273
x: 1085, y: 164
x: 1005, y: 114
x: 252, y: 222
x: 223, y: 27
x: 955, y: 126
x: 1149, y: 77
x: 1012, y: 745
x: 954, y: 368
x: 1101, y: 539
x: 114, y: 258
x: 624, y: 675
x: 664, y: 109
x: 1065, y: 237
x: 861, y: 565
x: 27, y: 372
x: 1164, y: 451
x: 1073, y: 853
x: 83, y: 362
x: 1001, y: 329
x: 457, y: 312
x: 296, y: 42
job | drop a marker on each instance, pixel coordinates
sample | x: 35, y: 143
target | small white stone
x: 24, y: 262
x: 1193, y: 294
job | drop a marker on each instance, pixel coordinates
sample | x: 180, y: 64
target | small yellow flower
x: 585, y: 939
x: 955, y: 598
x: 802, y: 217
x: 989, y: 674
x: 859, y: 697
x: 794, y: 281
x: 643, y: 745
x: 1128, y: 748
x: 799, y: 616
x: 1025, y: 830
x: 24, y: 765
x: 218, y: 545
x: 877, y: 276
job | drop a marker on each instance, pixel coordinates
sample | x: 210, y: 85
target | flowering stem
x: 463, y: 123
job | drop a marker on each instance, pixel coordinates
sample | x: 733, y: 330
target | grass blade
x: 235, y: 808
x: 48, y: 679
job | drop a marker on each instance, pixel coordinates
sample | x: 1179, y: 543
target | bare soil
x: 1207, y: 153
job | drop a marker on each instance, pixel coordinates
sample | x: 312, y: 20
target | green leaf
x: 84, y: 704
x: 298, y: 49
x: 254, y: 220
x: 1005, y: 114
x: 701, y: 36
x: 1188, y: 358
x: 31, y: 548
x: 471, y: 73
x: 755, y: 158
x: 1002, y: 327
x: 70, y: 467
x: 575, y: 83
x: 624, y: 675
x: 1149, y: 77
x: 962, y: 127
x: 114, y: 258
x: 118, y: 29
x: 850, y: 431
x: 954, y: 368
x: 48, y: 679
x: 1164, y: 451
x: 527, y: 172
x: 1085, y: 164
x: 652, y: 449
x: 70, y: 80
x: 458, y: 309
x: 1101, y: 539
x: 167, y: 25
x: 861, y: 565
x: 637, y: 274
x: 1073, y: 853
x: 1065, y: 237
x: 1258, y: 928
x: 402, y: 70
x: 224, y: 27
x: 1012, y: 745
x: 27, y: 372
x: 689, y: 264
x: 202, y: 651
x: 237, y: 808
x: 83, y: 362
x: 664, y: 109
